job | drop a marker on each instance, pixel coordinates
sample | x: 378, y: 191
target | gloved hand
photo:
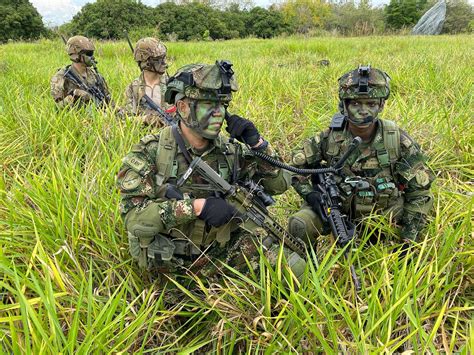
x: 217, y: 212
x: 83, y: 95
x: 242, y: 129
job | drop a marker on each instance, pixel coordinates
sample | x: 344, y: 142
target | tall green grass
x: 68, y: 285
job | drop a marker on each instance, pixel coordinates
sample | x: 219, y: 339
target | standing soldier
x: 150, y: 54
x: 387, y: 173
x: 79, y: 83
x: 173, y: 230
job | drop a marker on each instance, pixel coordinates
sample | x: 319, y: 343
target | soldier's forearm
x: 152, y: 218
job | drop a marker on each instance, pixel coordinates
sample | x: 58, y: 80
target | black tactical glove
x: 172, y: 192
x: 217, y: 212
x: 242, y: 129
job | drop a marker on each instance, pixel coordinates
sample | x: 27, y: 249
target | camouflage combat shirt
x: 62, y: 89
x: 403, y: 184
x: 136, y: 105
x: 146, y: 210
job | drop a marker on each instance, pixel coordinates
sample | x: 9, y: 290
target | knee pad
x: 306, y: 225
x: 297, y: 265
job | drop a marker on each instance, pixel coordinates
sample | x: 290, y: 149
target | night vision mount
x: 226, y: 74
x: 364, y: 72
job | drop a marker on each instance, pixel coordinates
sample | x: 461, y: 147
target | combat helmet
x: 77, y: 45
x: 197, y: 82
x: 150, y: 54
x: 364, y: 83
x: 202, y: 82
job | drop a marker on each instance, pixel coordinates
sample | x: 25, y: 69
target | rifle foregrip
x: 339, y: 227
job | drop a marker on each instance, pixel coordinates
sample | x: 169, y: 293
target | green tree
x: 404, y: 13
x: 359, y: 19
x: 266, y: 23
x: 305, y: 15
x: 191, y: 20
x: 19, y: 20
x: 459, y: 15
x: 108, y: 18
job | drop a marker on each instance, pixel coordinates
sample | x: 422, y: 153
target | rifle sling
x: 181, y: 145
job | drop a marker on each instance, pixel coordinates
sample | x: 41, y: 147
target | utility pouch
x: 161, y: 249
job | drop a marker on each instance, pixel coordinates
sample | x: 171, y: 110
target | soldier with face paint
x: 150, y: 55
x: 387, y: 174
x: 66, y: 92
x: 175, y: 230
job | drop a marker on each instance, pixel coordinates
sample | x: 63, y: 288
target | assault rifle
x: 331, y: 202
x: 165, y: 117
x: 98, y: 95
x: 250, y: 201
x: 331, y: 207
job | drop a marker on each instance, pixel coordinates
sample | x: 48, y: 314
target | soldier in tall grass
x: 387, y: 174
x: 150, y: 55
x: 79, y: 83
x: 173, y: 231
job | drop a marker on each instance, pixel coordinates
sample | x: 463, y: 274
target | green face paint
x: 210, y: 115
x: 362, y: 112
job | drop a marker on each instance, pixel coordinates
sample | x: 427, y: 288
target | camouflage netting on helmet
x: 77, y: 44
x: 200, y: 81
x: 148, y: 48
x: 378, y: 85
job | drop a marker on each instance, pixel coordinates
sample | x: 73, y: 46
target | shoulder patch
x: 130, y: 181
x: 299, y: 158
x: 422, y: 178
x: 149, y: 138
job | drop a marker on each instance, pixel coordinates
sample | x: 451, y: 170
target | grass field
x: 67, y: 283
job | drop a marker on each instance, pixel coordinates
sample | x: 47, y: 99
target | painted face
x: 210, y: 115
x: 158, y: 64
x: 362, y: 112
x: 87, y: 58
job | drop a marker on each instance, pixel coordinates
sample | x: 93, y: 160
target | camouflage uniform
x: 135, y: 105
x: 147, y: 50
x: 164, y: 233
x: 63, y: 90
x: 392, y: 165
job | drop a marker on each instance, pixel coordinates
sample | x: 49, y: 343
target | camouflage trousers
x: 241, y: 253
x: 308, y: 226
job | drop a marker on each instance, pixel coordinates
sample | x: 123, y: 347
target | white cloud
x: 57, y: 12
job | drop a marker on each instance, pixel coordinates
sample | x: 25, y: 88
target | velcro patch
x: 299, y: 158
x: 422, y: 178
x: 135, y: 162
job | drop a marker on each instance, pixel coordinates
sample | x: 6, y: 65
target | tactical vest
x: 375, y: 165
x: 168, y: 167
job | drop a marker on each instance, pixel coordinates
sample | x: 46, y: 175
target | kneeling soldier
x: 79, y: 83
x: 387, y: 174
x: 172, y: 229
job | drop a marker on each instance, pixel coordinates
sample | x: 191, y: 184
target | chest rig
x: 374, y: 163
x: 170, y: 165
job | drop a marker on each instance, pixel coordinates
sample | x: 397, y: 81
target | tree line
x: 213, y: 20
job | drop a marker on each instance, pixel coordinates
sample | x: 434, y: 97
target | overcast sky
x: 57, y: 12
